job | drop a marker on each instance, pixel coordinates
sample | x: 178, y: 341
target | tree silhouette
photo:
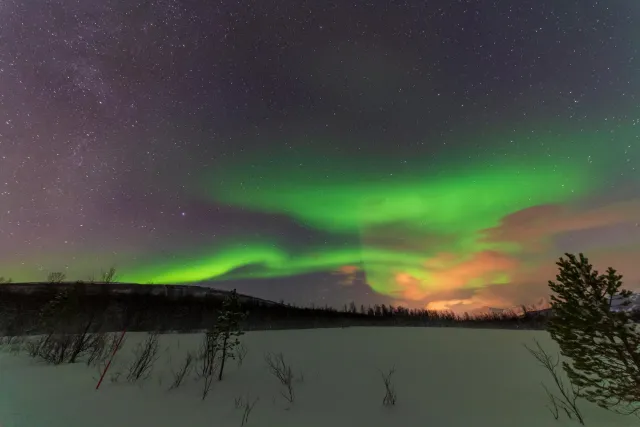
x: 603, y: 345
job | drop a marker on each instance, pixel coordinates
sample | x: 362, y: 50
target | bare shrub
x: 60, y: 348
x: 145, y: 355
x: 115, y: 342
x: 96, y: 346
x: 51, y: 348
x: 8, y: 340
x: 241, y: 353
x: 180, y: 374
x: 108, y: 276
x: 56, y: 277
x: 390, y: 395
x: 246, y: 405
x: 57, y: 348
x: 209, y: 361
x: 32, y: 346
x: 569, y: 393
x: 81, y: 344
x: 283, y: 372
x: 12, y: 344
x: 67, y: 322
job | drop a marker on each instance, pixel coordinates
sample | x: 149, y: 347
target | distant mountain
x: 540, y: 306
x: 544, y: 305
x: 487, y: 310
x: 634, y: 306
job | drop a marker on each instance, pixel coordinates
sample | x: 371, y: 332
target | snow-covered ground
x: 444, y: 378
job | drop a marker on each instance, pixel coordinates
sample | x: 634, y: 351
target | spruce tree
x: 603, y: 346
x: 228, y: 328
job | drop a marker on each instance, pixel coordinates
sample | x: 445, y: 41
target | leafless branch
x: 569, y: 393
x: 241, y: 353
x: 145, y: 355
x: 246, y: 405
x: 209, y: 361
x: 179, y: 375
x: 390, y: 395
x: 283, y: 372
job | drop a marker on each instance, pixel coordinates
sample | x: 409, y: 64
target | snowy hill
x: 544, y: 305
x: 540, y: 306
x: 195, y: 291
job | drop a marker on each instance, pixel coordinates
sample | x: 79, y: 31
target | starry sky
x: 435, y: 154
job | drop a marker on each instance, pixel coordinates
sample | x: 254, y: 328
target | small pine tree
x: 602, y: 345
x: 228, y: 328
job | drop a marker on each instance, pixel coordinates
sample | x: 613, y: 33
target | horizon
x: 540, y: 304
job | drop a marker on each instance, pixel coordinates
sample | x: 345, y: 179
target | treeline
x: 114, y: 306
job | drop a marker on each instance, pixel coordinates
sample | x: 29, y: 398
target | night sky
x: 439, y: 153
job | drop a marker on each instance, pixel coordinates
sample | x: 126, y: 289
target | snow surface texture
x: 444, y: 378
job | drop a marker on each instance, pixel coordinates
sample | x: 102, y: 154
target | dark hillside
x: 117, y: 306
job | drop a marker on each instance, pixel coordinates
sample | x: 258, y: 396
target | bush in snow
x: 67, y: 325
x: 97, y: 344
x: 227, y: 329
x: 241, y: 353
x: 182, y: 372
x: 145, y: 355
x: 283, y: 372
x: 13, y: 344
x: 246, y: 405
x: 208, y: 361
x: 567, y: 402
x: 390, y: 395
x: 603, y: 345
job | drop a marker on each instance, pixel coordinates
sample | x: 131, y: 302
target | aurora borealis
x: 438, y: 155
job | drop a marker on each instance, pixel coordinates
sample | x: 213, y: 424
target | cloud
x: 491, y: 296
x: 451, y: 275
x: 503, y: 266
x: 347, y: 275
x: 410, y: 287
x: 482, y: 267
x: 535, y: 237
x: 536, y: 224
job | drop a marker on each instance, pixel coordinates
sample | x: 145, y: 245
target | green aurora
x: 443, y: 207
